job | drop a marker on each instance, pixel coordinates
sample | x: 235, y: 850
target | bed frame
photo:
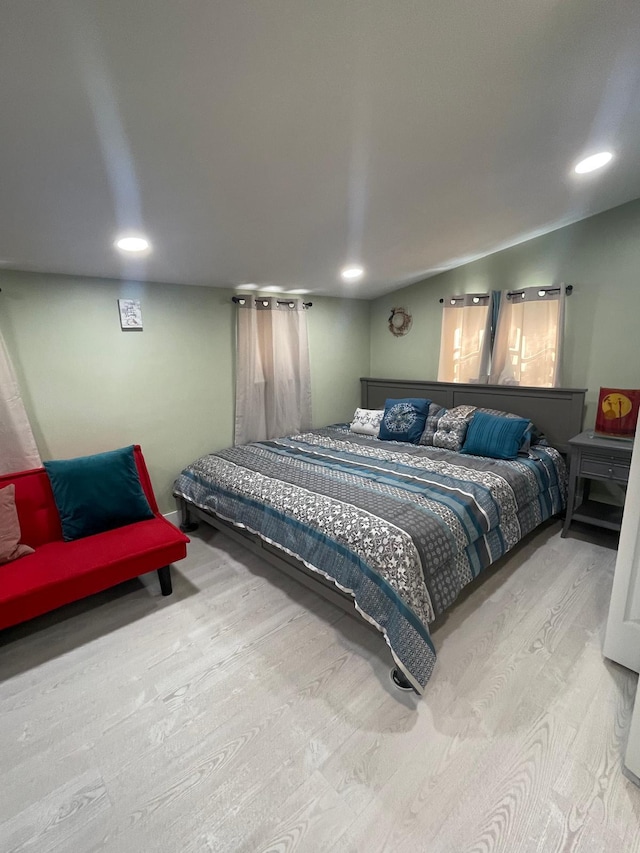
x: 558, y: 412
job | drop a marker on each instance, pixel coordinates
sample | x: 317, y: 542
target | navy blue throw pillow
x: 495, y: 436
x: 404, y: 420
x: 97, y: 493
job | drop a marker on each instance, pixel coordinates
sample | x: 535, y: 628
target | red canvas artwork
x: 617, y: 414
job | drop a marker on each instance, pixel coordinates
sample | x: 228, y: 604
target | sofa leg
x: 187, y: 524
x: 164, y: 576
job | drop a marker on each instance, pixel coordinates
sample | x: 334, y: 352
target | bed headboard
x: 558, y: 412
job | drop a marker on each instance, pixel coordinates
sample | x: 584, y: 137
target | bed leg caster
x: 164, y: 576
x: 400, y: 682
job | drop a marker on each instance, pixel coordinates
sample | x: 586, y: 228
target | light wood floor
x: 244, y: 713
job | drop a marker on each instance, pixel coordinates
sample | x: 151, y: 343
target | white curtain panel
x: 273, y: 375
x: 465, y: 342
x: 18, y: 451
x: 529, y: 338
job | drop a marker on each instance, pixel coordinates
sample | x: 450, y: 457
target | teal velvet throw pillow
x: 495, y: 436
x: 97, y: 493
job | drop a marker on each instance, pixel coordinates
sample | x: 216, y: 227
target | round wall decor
x: 399, y: 322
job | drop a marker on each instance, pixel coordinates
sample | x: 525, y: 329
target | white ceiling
x: 272, y: 141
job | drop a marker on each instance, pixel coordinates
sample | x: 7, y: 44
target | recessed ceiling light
x: 352, y: 272
x: 595, y: 161
x: 271, y: 288
x: 246, y: 286
x: 132, y: 243
x: 300, y: 291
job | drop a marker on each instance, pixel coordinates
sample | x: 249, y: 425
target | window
x: 528, y: 341
x: 273, y: 379
x: 465, y: 344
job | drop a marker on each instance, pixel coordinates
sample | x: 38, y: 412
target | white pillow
x: 367, y: 421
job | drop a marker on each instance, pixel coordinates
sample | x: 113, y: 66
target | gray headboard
x: 558, y: 412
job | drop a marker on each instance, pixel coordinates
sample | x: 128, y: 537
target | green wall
x: 600, y: 256
x: 89, y: 387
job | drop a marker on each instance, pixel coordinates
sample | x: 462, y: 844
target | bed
x: 396, y: 529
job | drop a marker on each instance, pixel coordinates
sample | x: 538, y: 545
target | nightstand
x: 596, y: 458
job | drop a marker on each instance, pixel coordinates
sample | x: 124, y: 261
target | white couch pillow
x: 367, y: 421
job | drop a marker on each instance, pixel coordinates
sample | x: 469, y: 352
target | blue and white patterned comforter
x: 401, y: 527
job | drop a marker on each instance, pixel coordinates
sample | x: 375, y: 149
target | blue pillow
x: 404, y: 419
x: 495, y: 436
x: 97, y: 493
x: 531, y: 436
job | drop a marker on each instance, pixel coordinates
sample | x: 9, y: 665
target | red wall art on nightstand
x: 617, y: 414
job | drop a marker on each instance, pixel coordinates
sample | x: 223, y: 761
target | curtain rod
x: 568, y: 290
x: 240, y: 300
x: 475, y: 296
x: 556, y: 289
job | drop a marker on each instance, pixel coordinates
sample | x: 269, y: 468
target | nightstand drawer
x: 604, y: 469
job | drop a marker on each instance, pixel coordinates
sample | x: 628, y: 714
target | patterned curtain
x: 18, y: 451
x: 273, y: 376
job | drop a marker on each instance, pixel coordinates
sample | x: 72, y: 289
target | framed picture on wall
x: 617, y: 414
x: 130, y: 315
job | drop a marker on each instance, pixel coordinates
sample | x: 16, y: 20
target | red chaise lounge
x: 60, y: 572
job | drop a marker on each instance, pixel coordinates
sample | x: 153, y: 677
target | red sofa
x: 59, y: 572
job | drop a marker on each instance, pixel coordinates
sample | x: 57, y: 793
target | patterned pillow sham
x: 451, y: 432
x: 431, y: 424
x: 464, y: 412
x: 404, y: 419
x: 452, y: 427
x: 367, y: 421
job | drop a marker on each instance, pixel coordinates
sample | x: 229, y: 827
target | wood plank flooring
x: 245, y: 713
